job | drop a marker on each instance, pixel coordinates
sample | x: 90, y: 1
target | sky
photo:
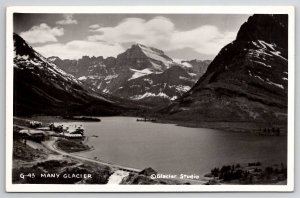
x: 180, y: 36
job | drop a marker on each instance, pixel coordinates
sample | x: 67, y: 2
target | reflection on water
x: 173, y: 149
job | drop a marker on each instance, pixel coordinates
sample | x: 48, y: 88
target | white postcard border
x: 162, y: 10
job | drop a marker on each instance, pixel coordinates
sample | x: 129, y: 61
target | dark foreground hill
x: 246, y: 82
x: 40, y: 87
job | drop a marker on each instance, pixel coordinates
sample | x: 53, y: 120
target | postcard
x: 150, y: 98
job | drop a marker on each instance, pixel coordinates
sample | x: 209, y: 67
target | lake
x: 168, y: 148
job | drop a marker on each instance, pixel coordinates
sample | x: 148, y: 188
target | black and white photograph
x: 150, y: 99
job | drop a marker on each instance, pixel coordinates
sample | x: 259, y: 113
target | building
x: 56, y: 127
x: 73, y: 136
x: 34, y: 135
x: 35, y: 124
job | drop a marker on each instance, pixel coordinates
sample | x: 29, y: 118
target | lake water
x: 168, y: 148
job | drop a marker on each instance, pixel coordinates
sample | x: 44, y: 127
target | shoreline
x: 80, y: 155
x: 117, y: 167
x: 51, y: 146
x: 112, y: 165
x: 226, y: 126
x: 236, y: 127
x: 203, y: 180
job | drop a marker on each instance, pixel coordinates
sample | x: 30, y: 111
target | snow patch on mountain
x: 105, y: 91
x: 53, y: 58
x: 24, y: 57
x: 264, y: 48
x: 35, y: 63
x: 277, y: 53
x: 259, y: 78
x: 174, y: 98
x: 183, y: 78
x: 149, y: 94
x: 182, y: 88
x: 268, y: 81
x: 187, y: 64
x: 109, y: 77
x: 275, y: 84
x: 149, y: 81
x: 156, y: 55
x: 82, y: 78
x: 90, y: 77
x: 42, y: 63
x: 266, y: 45
x: 177, y: 60
x: 261, y: 63
x: 139, y: 73
x: 192, y: 74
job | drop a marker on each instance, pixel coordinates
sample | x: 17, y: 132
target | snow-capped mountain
x: 141, y: 57
x: 167, y: 85
x: 140, y: 73
x: 41, y: 87
x: 247, y: 80
x: 195, y: 67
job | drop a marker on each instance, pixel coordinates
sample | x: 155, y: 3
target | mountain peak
x: 41, y: 87
x: 140, y: 45
x: 148, y: 49
x: 266, y: 27
x: 21, y: 47
x: 247, y: 80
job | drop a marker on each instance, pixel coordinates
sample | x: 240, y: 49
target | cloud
x: 136, y: 30
x: 205, y: 39
x: 161, y: 32
x: 42, y: 34
x: 78, y: 48
x: 94, y: 27
x: 68, y: 19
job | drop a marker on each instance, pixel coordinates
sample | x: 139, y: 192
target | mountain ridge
x: 247, y: 80
x: 139, y: 62
x: 41, y: 87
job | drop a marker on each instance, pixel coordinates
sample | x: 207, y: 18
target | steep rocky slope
x: 247, y: 81
x: 41, y: 87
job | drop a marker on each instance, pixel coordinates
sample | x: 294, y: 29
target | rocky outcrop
x: 41, y: 87
x: 248, y: 79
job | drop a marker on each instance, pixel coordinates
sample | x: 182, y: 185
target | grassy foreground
x: 71, y: 146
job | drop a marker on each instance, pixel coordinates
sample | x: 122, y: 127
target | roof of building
x: 31, y: 132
